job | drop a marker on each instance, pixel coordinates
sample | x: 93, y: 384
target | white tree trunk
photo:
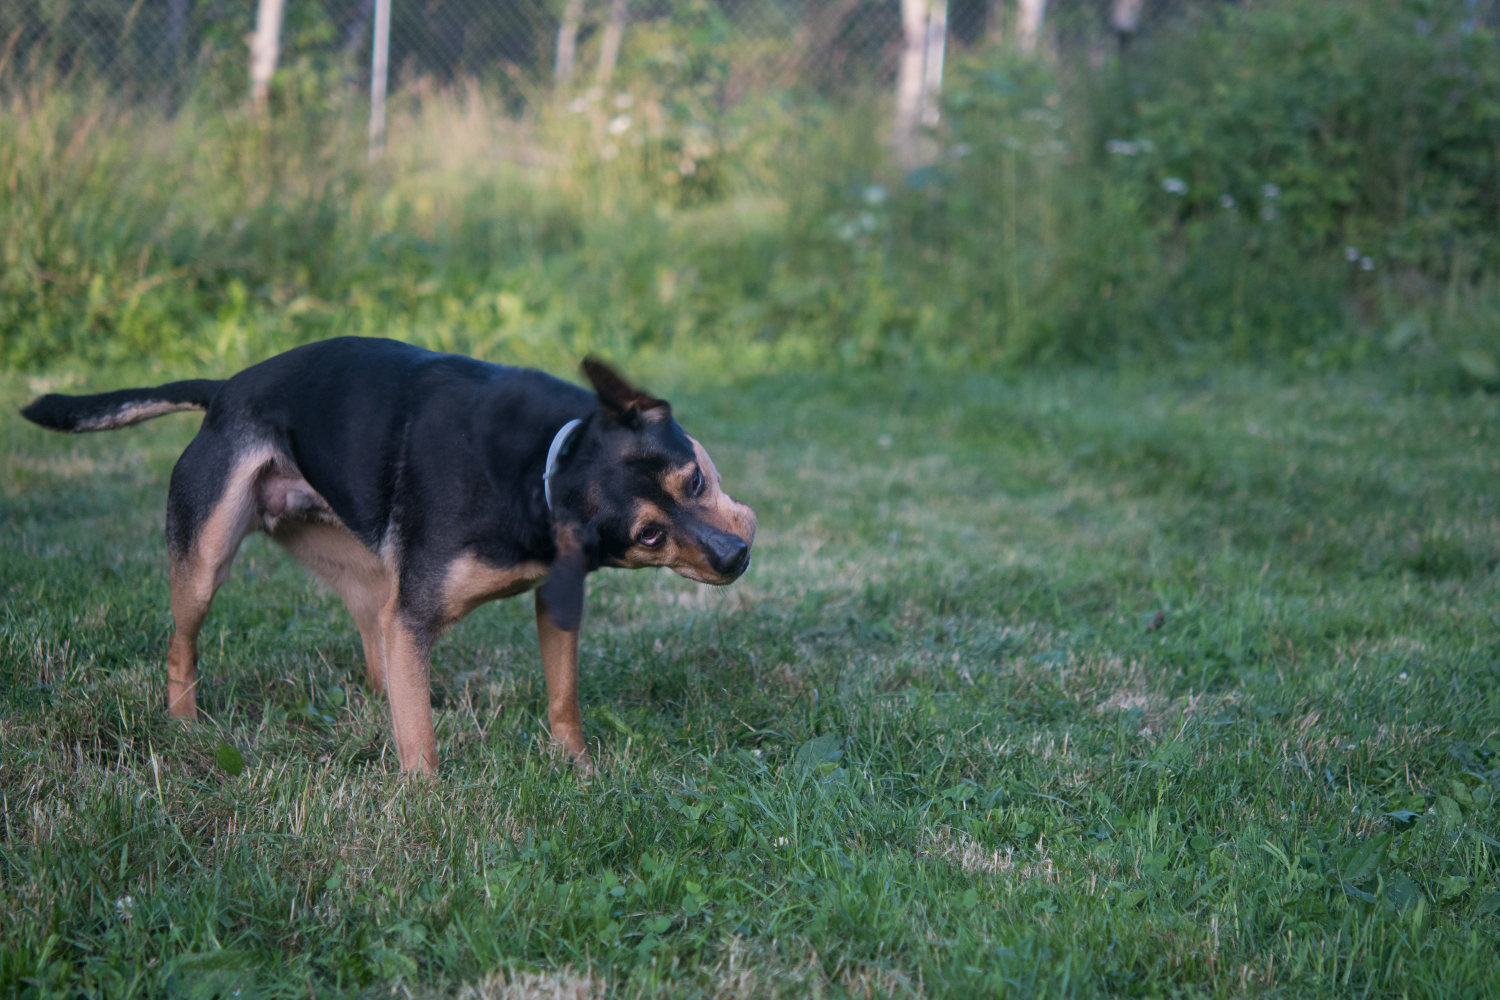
x: 919, y: 84
x: 380, y: 52
x: 265, y: 49
x: 1029, y: 17
x: 909, y: 83
x: 1125, y: 16
x: 567, y: 40
x: 614, y: 35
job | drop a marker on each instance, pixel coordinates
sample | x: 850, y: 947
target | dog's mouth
x: 716, y: 572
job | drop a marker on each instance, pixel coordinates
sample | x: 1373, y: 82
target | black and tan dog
x: 419, y: 486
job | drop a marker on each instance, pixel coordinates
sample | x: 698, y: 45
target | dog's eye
x: 695, y: 485
x: 652, y: 537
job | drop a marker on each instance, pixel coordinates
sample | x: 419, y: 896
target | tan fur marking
x: 404, y: 654
x: 724, y: 511
x: 472, y: 582
x: 133, y: 413
x: 353, y: 572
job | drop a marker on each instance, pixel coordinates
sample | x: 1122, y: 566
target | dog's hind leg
x: 355, y: 573
x: 210, y: 509
x: 406, y: 648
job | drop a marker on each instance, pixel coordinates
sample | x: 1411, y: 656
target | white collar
x: 559, y: 446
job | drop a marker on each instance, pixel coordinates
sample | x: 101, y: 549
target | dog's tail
x: 109, y: 410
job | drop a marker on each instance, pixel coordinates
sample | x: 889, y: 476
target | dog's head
x: 635, y: 490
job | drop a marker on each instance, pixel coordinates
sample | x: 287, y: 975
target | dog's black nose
x: 727, y: 554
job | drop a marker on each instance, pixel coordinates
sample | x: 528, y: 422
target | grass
x: 1078, y: 685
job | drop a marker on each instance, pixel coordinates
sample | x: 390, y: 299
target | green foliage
x: 1086, y: 685
x: 1312, y: 180
x: 1278, y: 180
x: 1375, y: 121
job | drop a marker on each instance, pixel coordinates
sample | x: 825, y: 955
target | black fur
x: 73, y: 413
x: 431, y: 456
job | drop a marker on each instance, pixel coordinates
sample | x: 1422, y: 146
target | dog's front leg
x: 405, y: 655
x: 560, y: 664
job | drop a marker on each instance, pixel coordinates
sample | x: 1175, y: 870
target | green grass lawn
x: 1073, y: 685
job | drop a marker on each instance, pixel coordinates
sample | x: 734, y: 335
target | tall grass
x: 1303, y: 181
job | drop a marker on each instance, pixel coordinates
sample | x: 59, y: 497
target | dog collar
x: 558, y: 450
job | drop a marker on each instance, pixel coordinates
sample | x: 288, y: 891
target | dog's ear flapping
x: 577, y: 553
x: 620, y: 399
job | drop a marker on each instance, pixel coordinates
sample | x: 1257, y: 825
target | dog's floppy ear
x: 620, y: 399
x: 577, y: 547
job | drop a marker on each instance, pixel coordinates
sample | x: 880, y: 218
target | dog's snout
x: 727, y: 554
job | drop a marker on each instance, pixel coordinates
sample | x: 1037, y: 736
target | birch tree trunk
x: 614, y: 34
x: 924, y: 31
x: 909, y: 83
x: 265, y: 49
x: 567, y: 40
x: 1029, y: 17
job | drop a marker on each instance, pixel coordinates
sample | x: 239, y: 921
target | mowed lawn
x: 1063, y: 685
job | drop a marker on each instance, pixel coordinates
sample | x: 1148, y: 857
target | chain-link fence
x: 723, y: 51
x: 163, y: 49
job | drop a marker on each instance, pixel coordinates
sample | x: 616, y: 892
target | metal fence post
x: 379, y: 61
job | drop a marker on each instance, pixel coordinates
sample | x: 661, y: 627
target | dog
x: 419, y: 486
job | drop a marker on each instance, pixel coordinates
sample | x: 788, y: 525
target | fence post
x: 379, y: 61
x: 937, y: 43
x: 265, y: 49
